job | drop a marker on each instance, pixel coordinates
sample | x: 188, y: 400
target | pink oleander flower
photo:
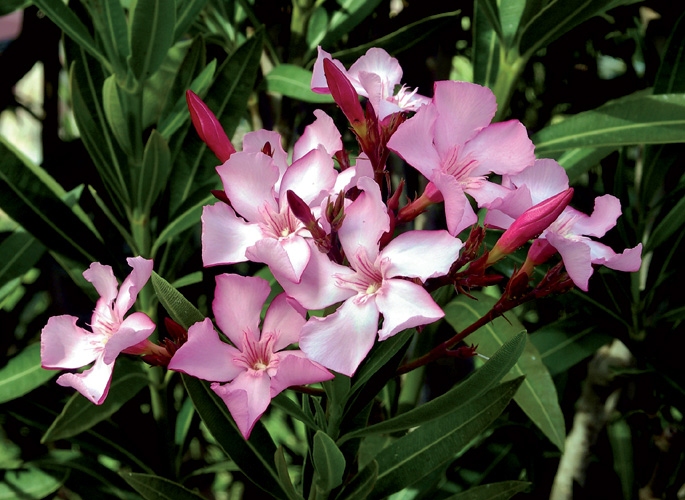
x: 568, y: 234
x: 453, y: 144
x: 374, y: 75
x: 373, y: 285
x: 258, y: 368
x: 66, y: 346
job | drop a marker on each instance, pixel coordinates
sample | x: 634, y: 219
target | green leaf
x: 537, y: 396
x: 28, y: 195
x: 493, y: 491
x: 622, y: 447
x: 434, y: 444
x: 80, y: 414
x: 110, y: 23
x: 188, y: 217
x: 186, y: 13
x: 486, y: 48
x: 22, y: 374
x: 289, y: 406
x: 114, y: 112
x: 635, y: 119
x: 564, y: 344
x: 349, y: 15
x: 578, y: 161
x: 179, y: 308
x: 510, y: 14
x: 9, y: 6
x: 316, y: 27
x: 153, y: 487
x: 484, y: 378
x: 284, y: 476
x: 64, y: 17
x: 183, y: 420
x: 362, y: 484
x: 329, y: 462
x: 295, y: 82
x: 254, y: 456
x: 152, y: 34
x: 19, y: 252
x: 155, y: 171
x: 30, y: 483
x: 673, y: 221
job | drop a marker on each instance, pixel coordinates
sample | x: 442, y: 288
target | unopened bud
x: 344, y: 95
x: 208, y: 127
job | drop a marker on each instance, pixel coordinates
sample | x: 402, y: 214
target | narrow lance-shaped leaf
x: 432, y: 445
x: 635, y: 119
x: 493, y: 491
x: 19, y: 252
x: 362, y: 484
x: 153, y: 487
x: 349, y: 15
x: 484, y: 378
x: 329, y: 462
x: 537, y: 396
x: 22, y: 374
x: 152, y: 33
x: 486, y: 48
x: 155, y: 171
x: 112, y: 104
x: 110, y: 22
x: 28, y: 197
x: 186, y: 13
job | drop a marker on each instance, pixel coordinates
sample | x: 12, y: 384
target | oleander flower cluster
x: 336, y: 236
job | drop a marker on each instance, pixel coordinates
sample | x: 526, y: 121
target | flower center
x: 366, y: 280
x: 105, y: 323
x: 278, y: 224
x: 564, y: 224
x: 460, y: 167
x: 258, y: 355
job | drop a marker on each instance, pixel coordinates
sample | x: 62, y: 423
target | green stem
x: 510, y: 69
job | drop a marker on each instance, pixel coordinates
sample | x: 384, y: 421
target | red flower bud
x: 344, y: 94
x: 208, y: 127
x: 530, y: 224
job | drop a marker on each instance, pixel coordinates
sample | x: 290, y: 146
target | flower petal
x: 294, y: 368
x: 576, y: 257
x: 134, y: 329
x: 92, y: 383
x: 205, y: 356
x: 341, y: 340
x: 316, y: 288
x: 225, y: 236
x: 464, y: 109
x: 321, y: 132
x: 607, y: 210
x: 458, y: 212
x: 413, y: 141
x: 502, y: 148
x: 544, y: 179
x: 288, y: 256
x: 366, y: 219
x: 403, y: 305
x: 254, y: 142
x: 249, y: 180
x: 63, y: 345
x: 237, y: 305
x: 311, y: 177
x: 134, y: 282
x: 102, y: 278
x: 247, y: 398
x: 285, y: 317
x: 420, y: 254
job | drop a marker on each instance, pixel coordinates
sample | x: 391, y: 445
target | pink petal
x: 294, y: 368
x: 319, y: 83
x: 503, y: 211
x: 373, y: 89
x: 286, y: 318
x: 576, y: 257
x: 249, y: 180
x: 544, y: 179
x: 63, y: 345
x: 607, y: 210
x: 629, y: 260
x: 103, y: 280
x: 254, y: 142
x: 311, y: 177
x: 403, y: 305
x: 247, y: 398
x: 349, y: 177
x: 366, y: 219
x: 379, y: 62
x: 134, y: 329
x: 341, y: 340
x: 205, y: 356
x: 420, y: 254
x: 413, y: 141
x: 458, y: 212
x: 134, y: 282
x: 322, y: 132
x: 92, y: 383
x: 464, y: 109
x: 487, y: 192
x: 237, y: 305
x: 502, y: 148
x: 225, y: 236
x: 286, y: 257
x: 317, y: 289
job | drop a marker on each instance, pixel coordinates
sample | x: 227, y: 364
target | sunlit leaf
x: 152, y: 33
x: 295, y: 82
x: 153, y: 487
x: 22, y: 374
x: 29, y: 483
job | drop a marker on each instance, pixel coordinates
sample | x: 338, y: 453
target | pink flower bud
x: 208, y: 127
x: 344, y: 94
x: 530, y: 224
